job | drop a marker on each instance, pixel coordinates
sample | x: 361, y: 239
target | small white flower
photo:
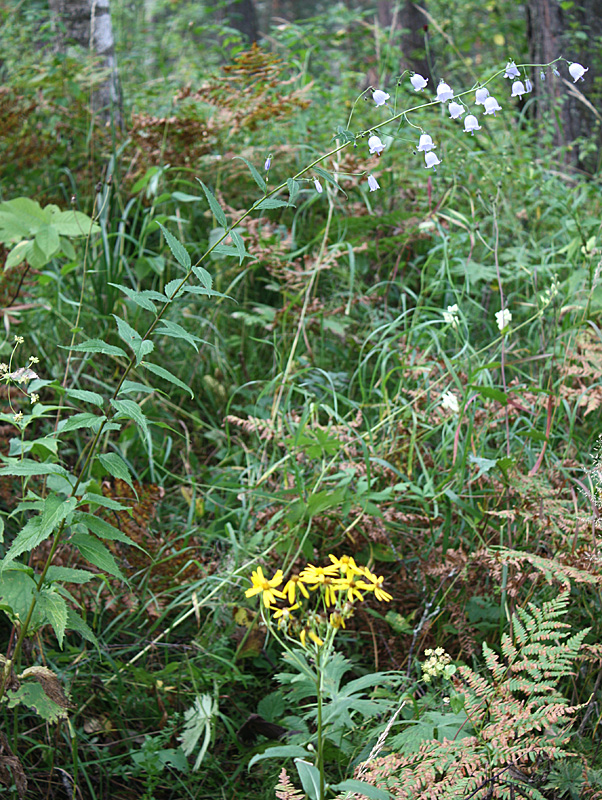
x: 33, y: 398
x: 373, y: 183
x: 511, y: 70
x: 455, y: 110
x: 481, y: 95
x: 449, y: 402
x: 318, y: 186
x: 518, y: 89
x: 380, y: 97
x: 471, y: 124
x: 426, y: 143
x: 431, y: 160
x: 528, y: 86
x: 444, y: 92
x: 577, y: 71
x: 418, y: 82
x: 491, y: 106
x: 451, y: 315
x: 503, y: 318
x: 375, y: 145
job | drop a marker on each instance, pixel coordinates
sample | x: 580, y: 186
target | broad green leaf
x: 39, y: 528
x: 134, y: 387
x: 143, y: 298
x: 47, y: 239
x: 257, y: 177
x: 26, y: 466
x: 77, y: 624
x: 54, y: 608
x: 175, y: 331
x: 280, y: 751
x: 68, y: 575
x: 83, y: 420
x: 116, y: 466
x: 96, y: 346
x: 32, y: 695
x: 140, y: 347
x: 177, y: 248
x: 96, y: 553
x: 361, y: 787
x: 131, y: 410
x: 104, y: 502
x: 103, y: 529
x: 216, y: 209
x: 17, y: 589
x: 484, y: 464
x: 273, y: 202
x: 166, y: 375
x: 85, y: 396
x: 20, y: 252
x: 225, y: 250
x: 72, y: 223
x: 310, y: 778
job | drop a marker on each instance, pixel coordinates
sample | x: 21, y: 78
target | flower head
x: 268, y: 163
x: 380, y: 97
x: 318, y: 186
x: 290, y: 588
x: 449, y: 402
x: 455, y: 110
x: 418, y: 82
x: 373, y: 583
x: 267, y: 588
x: 316, y: 575
x: 426, y: 143
x: 471, y: 124
x: 431, y: 160
x: 373, y: 184
x: 577, y: 71
x: 528, y: 86
x: 444, y: 92
x: 347, y: 565
x: 518, y: 89
x: 481, y: 95
x: 503, y: 318
x: 33, y: 398
x: 451, y: 315
x: 511, y: 70
x: 491, y: 106
x: 375, y: 145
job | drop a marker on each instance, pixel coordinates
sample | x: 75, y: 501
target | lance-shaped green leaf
x: 167, y: 376
x: 174, y: 288
x: 96, y: 346
x: 77, y: 624
x: 328, y: 177
x: 216, y: 209
x: 39, y: 528
x: 204, y: 277
x: 130, y: 410
x: 103, y: 529
x: 293, y: 189
x: 116, y: 466
x: 175, y: 331
x: 142, y: 298
x: 362, y: 788
x: 256, y: 175
x: 177, y: 248
x: 140, y: 347
x: 54, y: 609
x: 96, y: 553
x: 84, y: 420
x: 310, y: 778
x: 85, y: 396
x: 25, y: 466
x: 273, y: 202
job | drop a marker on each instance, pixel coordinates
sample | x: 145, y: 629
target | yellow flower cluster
x: 338, y: 584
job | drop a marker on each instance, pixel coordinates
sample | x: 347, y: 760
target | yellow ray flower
x: 315, y: 575
x: 266, y: 587
x: 291, y: 586
x: 374, y: 585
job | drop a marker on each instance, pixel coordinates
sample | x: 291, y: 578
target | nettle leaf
x: 175, y: 331
x: 85, y: 396
x: 85, y: 419
x: 257, y: 177
x: 54, y: 609
x: 216, y: 209
x: 96, y: 553
x: 142, y: 298
x: 177, y: 248
x: 131, y: 410
x: 96, y: 346
x: 104, y: 530
x: 166, y: 375
x: 240, y: 246
x: 41, y: 527
x: 140, y: 347
x: 116, y: 466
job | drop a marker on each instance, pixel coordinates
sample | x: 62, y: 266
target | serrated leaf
x: 26, y: 466
x: 361, y: 787
x: 171, y: 286
x: 293, y: 189
x: 130, y: 410
x: 32, y: 695
x: 225, y: 250
x: 104, y: 529
x: 256, y: 175
x: 104, y: 502
x: 85, y: 396
x: 68, y: 575
x: 176, y: 331
x: 139, y: 346
x: 142, y: 298
x: 177, y: 248
x: 96, y: 346
x: 41, y: 527
x: 216, y: 209
x: 166, y: 375
x: 54, y: 608
x: 135, y: 387
x: 77, y: 624
x: 85, y: 419
x: 272, y: 202
x: 116, y: 466
x: 204, y: 277
x: 96, y: 553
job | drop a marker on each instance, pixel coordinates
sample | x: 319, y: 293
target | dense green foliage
x: 204, y: 375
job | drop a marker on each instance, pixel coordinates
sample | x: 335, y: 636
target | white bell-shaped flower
x: 418, y: 82
x: 373, y: 184
x: 375, y: 145
x: 528, y: 86
x: 491, y: 106
x: 471, y: 124
x: 511, y: 70
x: 481, y: 95
x: 577, y: 71
x: 318, y: 186
x: 431, y: 160
x: 444, y: 92
x: 518, y: 89
x: 455, y: 110
x: 426, y: 143
x: 380, y: 97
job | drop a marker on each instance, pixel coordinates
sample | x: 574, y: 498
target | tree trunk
x: 413, y: 24
x: 87, y: 24
x: 241, y: 15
